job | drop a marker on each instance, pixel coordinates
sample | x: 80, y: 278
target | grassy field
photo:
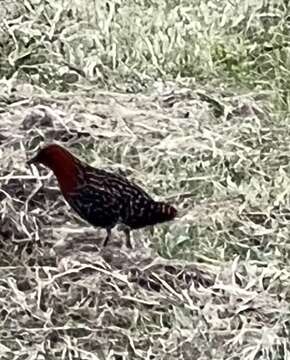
x: 189, y: 99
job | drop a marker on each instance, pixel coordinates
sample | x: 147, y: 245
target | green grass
x: 192, y: 103
x: 129, y: 44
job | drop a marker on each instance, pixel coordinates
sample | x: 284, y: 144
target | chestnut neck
x: 65, y: 168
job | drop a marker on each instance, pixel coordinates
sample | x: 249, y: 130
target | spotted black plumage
x: 105, y: 199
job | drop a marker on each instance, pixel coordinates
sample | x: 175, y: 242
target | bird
x: 104, y: 199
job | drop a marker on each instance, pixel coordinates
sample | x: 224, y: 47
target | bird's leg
x: 126, y: 229
x: 108, y: 237
x: 128, y: 238
x: 151, y: 229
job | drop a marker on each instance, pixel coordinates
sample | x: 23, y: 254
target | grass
x: 190, y: 102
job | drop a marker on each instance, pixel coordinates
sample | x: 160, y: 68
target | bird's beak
x: 31, y: 161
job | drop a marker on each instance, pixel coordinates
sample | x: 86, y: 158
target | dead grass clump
x: 213, y: 284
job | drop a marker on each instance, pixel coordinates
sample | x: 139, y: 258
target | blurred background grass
x: 242, y: 44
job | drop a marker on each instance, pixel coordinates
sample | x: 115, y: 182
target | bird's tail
x: 163, y: 212
x: 150, y: 213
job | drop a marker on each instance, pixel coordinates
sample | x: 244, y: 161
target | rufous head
x: 61, y: 162
x: 51, y: 156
